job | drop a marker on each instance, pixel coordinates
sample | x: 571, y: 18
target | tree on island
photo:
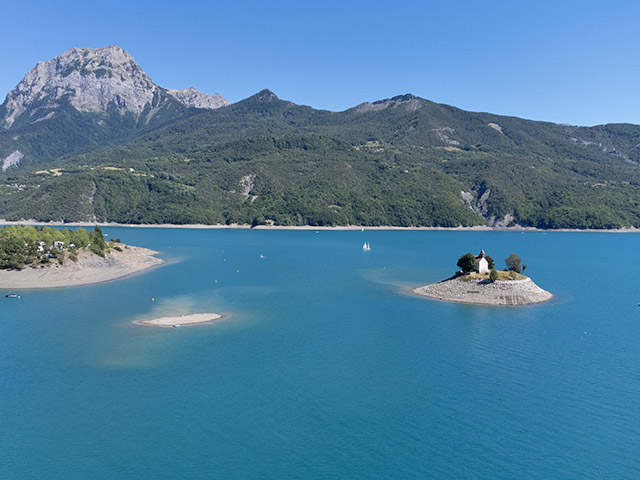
x: 98, y: 245
x: 467, y: 263
x: 514, y: 263
x: 490, y: 262
x: 493, y: 275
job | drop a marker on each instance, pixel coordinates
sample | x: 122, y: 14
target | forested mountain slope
x: 402, y: 161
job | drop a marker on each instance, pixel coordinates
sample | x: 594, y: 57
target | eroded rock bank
x: 483, y: 292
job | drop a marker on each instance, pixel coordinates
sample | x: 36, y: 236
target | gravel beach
x: 482, y: 292
x: 87, y: 270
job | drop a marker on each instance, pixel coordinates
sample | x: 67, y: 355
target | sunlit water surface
x: 326, y: 366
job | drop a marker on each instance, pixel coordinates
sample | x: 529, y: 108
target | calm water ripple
x: 325, y: 367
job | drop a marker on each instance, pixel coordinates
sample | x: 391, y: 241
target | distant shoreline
x: 88, y: 270
x: 478, y: 228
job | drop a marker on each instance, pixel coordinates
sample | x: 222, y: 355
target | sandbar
x: 483, y: 292
x: 180, y: 320
x: 89, y: 269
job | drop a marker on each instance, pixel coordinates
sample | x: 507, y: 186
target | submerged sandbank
x: 89, y: 269
x: 483, y: 292
x: 180, y: 320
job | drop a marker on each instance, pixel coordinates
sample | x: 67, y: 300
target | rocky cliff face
x: 191, y: 97
x: 93, y: 80
x: 408, y: 101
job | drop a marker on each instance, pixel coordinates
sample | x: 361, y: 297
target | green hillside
x: 69, y: 132
x: 403, y: 161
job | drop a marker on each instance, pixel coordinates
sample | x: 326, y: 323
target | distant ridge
x: 89, y: 137
x: 408, y: 101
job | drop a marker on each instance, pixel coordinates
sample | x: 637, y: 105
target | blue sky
x: 563, y: 61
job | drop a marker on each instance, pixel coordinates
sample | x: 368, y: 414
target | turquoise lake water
x: 325, y: 366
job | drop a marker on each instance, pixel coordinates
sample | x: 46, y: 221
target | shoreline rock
x: 482, y: 292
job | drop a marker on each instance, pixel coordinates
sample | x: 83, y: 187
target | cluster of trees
x: 22, y: 246
x: 297, y: 180
x: 514, y: 263
x: 467, y: 264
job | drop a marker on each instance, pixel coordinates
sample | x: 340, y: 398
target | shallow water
x: 325, y: 366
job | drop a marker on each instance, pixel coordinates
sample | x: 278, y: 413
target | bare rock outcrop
x: 408, y: 101
x: 191, y: 97
x: 94, y: 80
x: 12, y: 159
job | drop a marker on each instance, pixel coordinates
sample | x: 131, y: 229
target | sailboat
x: 366, y: 247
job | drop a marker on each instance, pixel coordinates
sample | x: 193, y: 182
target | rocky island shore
x: 88, y: 269
x: 484, y: 292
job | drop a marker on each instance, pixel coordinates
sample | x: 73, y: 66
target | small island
x: 478, y: 282
x: 46, y: 257
x: 180, y: 320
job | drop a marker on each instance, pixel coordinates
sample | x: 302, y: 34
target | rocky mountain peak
x: 89, y: 79
x: 408, y: 101
x: 92, y: 80
x: 191, y: 97
x: 264, y: 95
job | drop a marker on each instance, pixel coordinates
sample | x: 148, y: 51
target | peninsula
x: 478, y: 284
x: 33, y: 258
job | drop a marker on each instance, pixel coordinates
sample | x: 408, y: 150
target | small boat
x: 366, y: 247
x: 12, y: 295
x: 176, y: 325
